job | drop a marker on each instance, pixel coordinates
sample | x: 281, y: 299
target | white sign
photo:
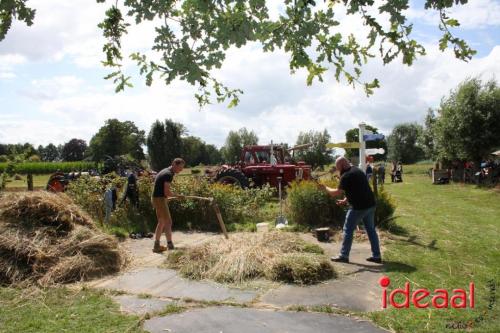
x: 375, y: 151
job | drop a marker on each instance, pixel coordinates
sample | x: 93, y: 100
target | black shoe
x: 170, y: 246
x: 375, y: 260
x: 340, y: 259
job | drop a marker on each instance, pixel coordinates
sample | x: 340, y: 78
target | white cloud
x: 8, y: 62
x: 276, y: 105
x: 473, y: 15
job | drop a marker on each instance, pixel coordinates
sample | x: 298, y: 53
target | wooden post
x: 29, y: 180
x: 215, y: 207
x: 219, y: 218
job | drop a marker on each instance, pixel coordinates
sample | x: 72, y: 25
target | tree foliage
x: 50, y: 153
x: 403, y: 143
x: 193, y: 36
x: 427, y: 139
x: 352, y: 135
x: 74, y: 150
x: 317, y: 155
x: 117, y: 138
x: 468, y: 122
x: 235, y: 142
x: 164, y: 143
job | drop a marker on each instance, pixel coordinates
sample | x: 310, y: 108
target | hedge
x: 47, y: 167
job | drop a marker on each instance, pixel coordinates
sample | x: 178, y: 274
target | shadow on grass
x: 394, y: 266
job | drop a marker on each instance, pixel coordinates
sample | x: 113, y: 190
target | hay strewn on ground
x: 45, y: 238
x: 277, y: 256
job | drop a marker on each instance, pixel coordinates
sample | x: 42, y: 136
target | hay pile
x: 45, y: 238
x: 277, y: 256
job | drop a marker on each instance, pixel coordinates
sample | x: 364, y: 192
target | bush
x: 237, y: 206
x: 306, y: 204
x: 385, y: 209
x: 310, y: 206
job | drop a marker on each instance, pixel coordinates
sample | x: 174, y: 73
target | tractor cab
x: 255, y: 155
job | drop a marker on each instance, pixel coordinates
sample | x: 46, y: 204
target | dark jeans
x: 351, y: 221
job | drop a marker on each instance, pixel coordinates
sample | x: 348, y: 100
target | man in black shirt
x: 161, y: 193
x: 359, y: 196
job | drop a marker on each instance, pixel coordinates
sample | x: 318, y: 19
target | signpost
x: 345, y: 145
x: 375, y: 151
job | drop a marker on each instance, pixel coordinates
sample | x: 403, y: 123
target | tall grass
x: 48, y: 167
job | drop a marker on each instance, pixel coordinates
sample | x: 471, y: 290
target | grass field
x: 452, y: 237
x: 39, y: 181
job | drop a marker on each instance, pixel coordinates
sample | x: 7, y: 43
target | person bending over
x: 359, y: 196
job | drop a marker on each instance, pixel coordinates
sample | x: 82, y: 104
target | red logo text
x: 439, y: 298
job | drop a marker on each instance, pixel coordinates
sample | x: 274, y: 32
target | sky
x: 52, y: 87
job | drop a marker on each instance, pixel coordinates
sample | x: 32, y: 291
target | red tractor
x: 261, y: 165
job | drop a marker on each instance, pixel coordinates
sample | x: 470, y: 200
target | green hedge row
x: 45, y: 167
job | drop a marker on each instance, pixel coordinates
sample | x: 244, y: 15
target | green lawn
x: 39, y: 181
x: 62, y: 310
x: 452, y: 238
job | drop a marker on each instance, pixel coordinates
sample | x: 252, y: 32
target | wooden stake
x: 215, y: 207
x: 219, y: 218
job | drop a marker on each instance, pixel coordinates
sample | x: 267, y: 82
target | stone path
x: 229, y: 319
x: 148, y: 288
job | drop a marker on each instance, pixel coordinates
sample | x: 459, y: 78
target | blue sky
x: 51, y: 86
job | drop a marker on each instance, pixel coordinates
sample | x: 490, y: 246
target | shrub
x: 237, y: 206
x: 385, y: 209
x: 307, y: 204
x: 310, y: 206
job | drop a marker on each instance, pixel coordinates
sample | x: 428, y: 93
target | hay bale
x: 247, y: 256
x: 45, y: 238
x: 301, y: 268
x: 43, y: 209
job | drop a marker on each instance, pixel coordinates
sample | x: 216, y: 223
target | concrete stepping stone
x: 140, y: 306
x: 160, y: 282
x: 357, y: 293
x: 246, y: 320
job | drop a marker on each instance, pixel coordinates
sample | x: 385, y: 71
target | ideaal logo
x: 440, y: 298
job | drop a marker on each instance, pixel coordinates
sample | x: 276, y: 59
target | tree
x: 117, y: 138
x: 193, y: 38
x: 318, y: 155
x: 214, y: 155
x: 427, y: 138
x: 50, y: 153
x: 194, y: 151
x: 403, y: 143
x: 164, y: 143
x: 468, y: 124
x: 352, y: 135
x: 235, y: 142
x: 74, y: 150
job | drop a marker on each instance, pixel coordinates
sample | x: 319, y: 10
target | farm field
x: 449, y: 237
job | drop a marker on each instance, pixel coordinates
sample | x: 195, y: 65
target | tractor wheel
x: 233, y: 177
